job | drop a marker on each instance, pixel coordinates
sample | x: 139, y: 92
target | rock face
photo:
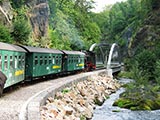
x: 39, y: 15
x: 148, y: 35
x: 78, y: 101
x: 6, y: 12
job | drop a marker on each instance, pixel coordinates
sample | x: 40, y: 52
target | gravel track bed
x: 12, y: 101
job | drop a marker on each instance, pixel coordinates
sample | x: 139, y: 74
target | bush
x: 21, y: 30
x: 139, y: 98
x: 17, y: 3
x: 146, y: 62
x: 5, y: 34
x: 157, y: 72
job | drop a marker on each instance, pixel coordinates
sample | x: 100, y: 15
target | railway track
x: 12, y: 100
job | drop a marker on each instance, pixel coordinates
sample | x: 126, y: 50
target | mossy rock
x: 146, y: 104
x: 124, y: 103
x: 98, y: 101
x: 116, y: 110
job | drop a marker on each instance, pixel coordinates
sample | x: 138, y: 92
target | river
x: 109, y: 112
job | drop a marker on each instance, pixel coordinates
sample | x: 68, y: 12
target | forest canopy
x: 73, y: 26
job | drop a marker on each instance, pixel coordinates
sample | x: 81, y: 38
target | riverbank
x: 78, y: 101
x: 109, y: 112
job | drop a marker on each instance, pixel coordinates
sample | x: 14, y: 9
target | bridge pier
x: 109, y: 73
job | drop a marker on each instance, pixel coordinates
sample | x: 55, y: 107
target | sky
x: 100, y: 4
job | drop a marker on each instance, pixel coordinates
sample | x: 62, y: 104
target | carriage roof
x: 73, y: 52
x: 10, y: 47
x: 41, y: 50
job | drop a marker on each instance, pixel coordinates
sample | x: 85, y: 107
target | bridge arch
x: 111, y: 58
x: 113, y: 53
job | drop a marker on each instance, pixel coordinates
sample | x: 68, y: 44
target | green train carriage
x: 73, y: 61
x: 42, y: 62
x: 12, y: 63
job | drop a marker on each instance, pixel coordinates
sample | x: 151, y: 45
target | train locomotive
x: 20, y: 63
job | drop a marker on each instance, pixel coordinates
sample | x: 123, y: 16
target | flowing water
x: 106, y: 111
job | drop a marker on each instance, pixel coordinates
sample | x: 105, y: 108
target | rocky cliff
x: 6, y: 12
x: 37, y: 13
x: 147, y: 37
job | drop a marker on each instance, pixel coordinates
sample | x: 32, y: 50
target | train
x: 22, y: 63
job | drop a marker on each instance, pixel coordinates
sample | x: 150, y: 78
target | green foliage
x: 120, y: 22
x: 1, y: 1
x: 17, y: 3
x: 65, y: 32
x: 141, y: 67
x: 57, y: 43
x: 139, y: 98
x: 83, y: 117
x: 124, y: 74
x: 71, y: 21
x: 146, y: 62
x: 140, y: 76
x: 116, y: 110
x: 5, y: 34
x: 21, y: 30
x: 66, y: 90
x: 157, y: 72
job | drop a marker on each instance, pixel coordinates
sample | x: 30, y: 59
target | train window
x: 45, y: 62
x: 11, y: 62
x: 41, y: 60
x: 50, y: 60
x: 60, y: 59
x: 23, y: 61
x: 53, y: 60
x: 77, y: 59
x: 74, y: 59
x: 20, y: 62
x: 5, y: 62
x: 16, y: 62
x: 57, y: 60
x: 0, y: 62
x: 36, y: 60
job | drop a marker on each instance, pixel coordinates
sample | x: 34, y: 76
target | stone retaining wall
x: 78, y: 101
x: 31, y: 110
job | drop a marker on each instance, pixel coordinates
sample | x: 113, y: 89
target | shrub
x: 146, y: 62
x: 157, y: 72
x: 21, y: 30
x: 5, y: 34
x: 17, y: 3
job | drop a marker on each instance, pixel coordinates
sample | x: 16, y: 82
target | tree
x: 21, y: 31
x: 72, y: 21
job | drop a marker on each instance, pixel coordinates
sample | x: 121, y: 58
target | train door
x: 64, y: 62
